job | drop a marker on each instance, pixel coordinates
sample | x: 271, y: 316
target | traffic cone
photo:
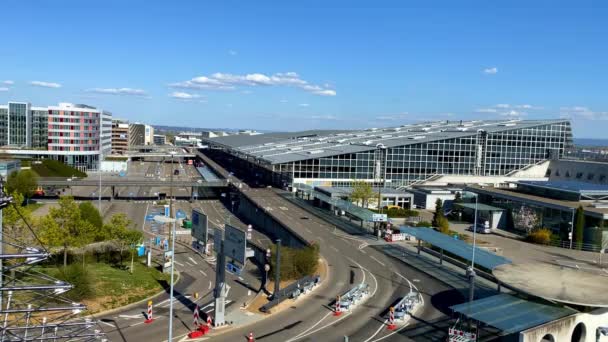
x: 250, y: 339
x: 337, y: 311
x: 391, y: 319
x: 209, y: 321
x: 149, y: 318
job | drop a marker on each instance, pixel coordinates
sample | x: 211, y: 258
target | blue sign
x: 122, y: 174
x: 157, y: 242
x: 167, y: 211
x: 232, y: 268
x: 180, y: 214
x: 141, y: 251
x: 149, y: 217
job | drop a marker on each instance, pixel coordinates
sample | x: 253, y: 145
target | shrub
x: 54, y: 168
x: 540, y: 236
x: 400, y: 212
x: 424, y: 224
x: 295, y: 262
x: 78, y: 276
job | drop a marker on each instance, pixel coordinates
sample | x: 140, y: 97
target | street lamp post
x: 471, y: 270
x: 164, y: 219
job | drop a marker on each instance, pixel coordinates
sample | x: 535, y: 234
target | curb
x: 132, y: 305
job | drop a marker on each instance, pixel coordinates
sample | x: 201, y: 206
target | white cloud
x: 486, y: 110
x: 183, y: 96
x: 490, y: 71
x: 283, y: 101
x: 45, y: 84
x: 118, y: 91
x: 3, y: 89
x: 232, y: 52
x: 503, y: 106
x: 303, y: 105
x: 512, y: 114
x: 582, y: 112
x: 223, y: 81
x: 8, y: 82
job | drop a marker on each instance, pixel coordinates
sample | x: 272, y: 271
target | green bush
x: 400, y: 212
x: 296, y: 263
x: 540, y: 236
x: 78, y: 276
x: 54, y: 168
x: 424, y: 224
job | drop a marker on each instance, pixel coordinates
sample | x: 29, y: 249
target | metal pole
x: 172, y: 280
x: 474, y: 233
x: 277, y: 271
x: 171, y: 192
x: 1, y: 252
x: 99, y: 198
x: 571, y: 228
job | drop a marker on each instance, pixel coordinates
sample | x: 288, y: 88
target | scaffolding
x: 32, y: 305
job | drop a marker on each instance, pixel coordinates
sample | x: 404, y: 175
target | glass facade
x: 39, y: 129
x: 3, y: 126
x: 18, y: 119
x: 483, y: 153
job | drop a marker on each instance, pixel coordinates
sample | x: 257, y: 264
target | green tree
x: 89, y: 213
x: 438, y: 212
x: 120, y: 229
x: 579, y: 227
x: 23, y: 182
x: 13, y: 219
x: 362, y: 192
x: 458, y: 197
x: 64, y: 227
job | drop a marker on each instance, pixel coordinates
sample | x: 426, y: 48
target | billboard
x: 379, y: 217
x: 199, y: 225
x: 235, y: 243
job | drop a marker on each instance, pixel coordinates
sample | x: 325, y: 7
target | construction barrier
x: 391, y: 319
x: 457, y: 335
x: 395, y: 237
x: 337, y: 311
x: 149, y: 318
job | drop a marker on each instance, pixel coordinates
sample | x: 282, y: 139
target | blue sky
x: 281, y: 66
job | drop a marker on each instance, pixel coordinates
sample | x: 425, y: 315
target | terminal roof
x: 456, y: 247
x: 278, y: 148
x: 511, y: 314
x: 569, y: 186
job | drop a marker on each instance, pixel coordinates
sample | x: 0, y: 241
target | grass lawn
x: 34, y: 206
x: 53, y: 168
x: 113, y: 287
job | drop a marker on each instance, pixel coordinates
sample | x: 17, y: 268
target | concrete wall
x: 563, y: 329
x: 589, y: 171
x: 268, y: 225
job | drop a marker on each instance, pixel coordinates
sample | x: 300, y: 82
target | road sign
x: 167, y: 211
x: 379, y: 217
x: 235, y: 243
x: 199, y: 225
x: 182, y: 232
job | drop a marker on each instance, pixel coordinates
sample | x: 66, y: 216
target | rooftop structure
x: 566, y: 190
x: 400, y: 156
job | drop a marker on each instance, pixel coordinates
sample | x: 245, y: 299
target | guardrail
x: 293, y: 291
x: 353, y: 296
x: 406, y: 304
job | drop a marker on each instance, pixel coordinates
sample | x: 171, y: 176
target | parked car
x: 481, y: 228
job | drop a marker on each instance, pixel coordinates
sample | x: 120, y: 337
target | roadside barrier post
x: 149, y: 318
x: 391, y: 319
x: 337, y: 311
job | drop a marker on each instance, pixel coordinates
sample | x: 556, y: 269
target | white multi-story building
x: 149, y: 135
x: 76, y: 134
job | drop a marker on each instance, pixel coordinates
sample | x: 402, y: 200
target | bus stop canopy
x: 456, y: 247
x: 511, y: 314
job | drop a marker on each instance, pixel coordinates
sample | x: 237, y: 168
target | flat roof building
x: 399, y: 156
x: 120, y: 136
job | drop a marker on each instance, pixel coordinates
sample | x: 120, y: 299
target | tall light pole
x: 171, y: 185
x: 99, y: 198
x: 471, y: 269
x: 164, y: 219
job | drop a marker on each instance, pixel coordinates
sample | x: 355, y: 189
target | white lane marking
x: 205, y: 274
x: 130, y: 316
x: 229, y: 291
x: 321, y: 328
x: 308, y: 230
x: 108, y: 324
x: 136, y: 324
x: 362, y: 251
x: 179, y: 263
x: 378, y: 261
x: 312, y: 327
x: 146, y: 214
x: 208, y: 311
x: 194, y: 262
x: 334, y: 248
x: 382, y: 325
x: 210, y: 285
x: 190, y: 265
x: 241, y: 279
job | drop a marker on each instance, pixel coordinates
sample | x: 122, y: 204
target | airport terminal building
x: 398, y: 156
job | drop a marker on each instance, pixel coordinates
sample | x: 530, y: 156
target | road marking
x: 187, y: 263
x: 108, y: 324
x: 179, y: 263
x: 377, y: 331
x: 308, y: 230
x: 146, y: 214
x: 312, y: 327
x: 362, y: 251
x: 210, y: 285
x: 321, y: 328
x: 136, y: 324
x: 241, y: 279
x: 378, y: 261
x: 130, y: 316
x: 194, y: 262
x: 334, y: 248
x: 205, y: 274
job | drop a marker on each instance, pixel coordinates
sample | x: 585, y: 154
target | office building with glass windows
x: 398, y: 156
x: 78, y: 135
